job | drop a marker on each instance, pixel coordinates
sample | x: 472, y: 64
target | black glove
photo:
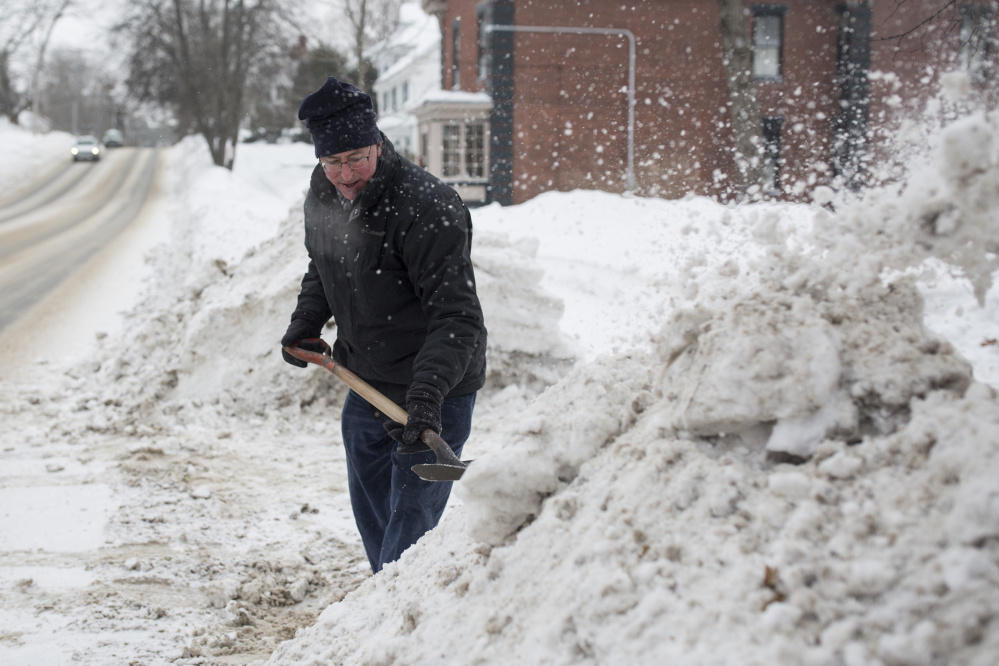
x: 300, y: 330
x: 423, y: 405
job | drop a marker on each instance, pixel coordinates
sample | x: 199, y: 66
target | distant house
x: 442, y: 130
x: 635, y: 96
x: 408, y: 66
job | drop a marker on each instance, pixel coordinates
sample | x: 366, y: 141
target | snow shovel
x: 448, y: 466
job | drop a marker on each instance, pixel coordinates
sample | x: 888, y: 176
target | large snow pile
x: 798, y: 471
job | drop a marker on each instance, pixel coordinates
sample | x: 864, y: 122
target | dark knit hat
x: 340, y: 118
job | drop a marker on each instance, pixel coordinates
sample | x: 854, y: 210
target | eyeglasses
x: 355, y: 163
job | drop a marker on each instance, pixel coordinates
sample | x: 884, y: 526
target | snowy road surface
x: 51, y: 228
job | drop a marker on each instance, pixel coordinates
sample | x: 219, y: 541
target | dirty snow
x: 711, y: 435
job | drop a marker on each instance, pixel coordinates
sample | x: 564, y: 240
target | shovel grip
x: 376, y: 399
x: 361, y: 387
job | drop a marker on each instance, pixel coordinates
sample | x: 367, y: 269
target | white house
x: 445, y: 131
x: 409, y: 66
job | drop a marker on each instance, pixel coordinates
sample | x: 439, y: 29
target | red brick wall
x: 807, y: 97
x: 570, y: 119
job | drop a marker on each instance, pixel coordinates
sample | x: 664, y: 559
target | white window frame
x: 451, y: 166
x: 455, y: 54
x: 482, y: 44
x: 468, y: 160
x: 768, y: 42
x: 474, y: 150
x: 463, y: 151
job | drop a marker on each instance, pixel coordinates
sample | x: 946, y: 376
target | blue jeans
x: 393, y: 507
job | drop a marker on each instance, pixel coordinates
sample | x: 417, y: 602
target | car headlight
x: 73, y: 150
x: 95, y: 150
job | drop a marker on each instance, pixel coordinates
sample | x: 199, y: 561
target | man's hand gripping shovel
x: 448, y: 466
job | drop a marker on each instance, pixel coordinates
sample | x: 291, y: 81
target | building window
x: 483, y: 51
x: 768, y: 41
x: 974, y: 53
x: 451, y: 158
x: 771, y: 154
x: 463, y: 151
x: 475, y: 151
x: 455, y: 42
x: 395, y: 107
x: 405, y: 91
x: 424, y: 150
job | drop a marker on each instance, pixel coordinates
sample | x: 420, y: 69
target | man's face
x: 350, y: 171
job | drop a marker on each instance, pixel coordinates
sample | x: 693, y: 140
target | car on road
x: 113, y: 138
x: 87, y: 147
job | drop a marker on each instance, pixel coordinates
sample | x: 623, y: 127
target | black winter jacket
x: 395, y: 273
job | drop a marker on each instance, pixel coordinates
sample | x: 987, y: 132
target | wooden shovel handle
x: 377, y: 400
x: 361, y: 387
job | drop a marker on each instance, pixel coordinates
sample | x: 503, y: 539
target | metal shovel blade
x: 438, y: 471
x: 447, y: 468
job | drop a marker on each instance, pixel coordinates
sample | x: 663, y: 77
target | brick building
x: 634, y: 96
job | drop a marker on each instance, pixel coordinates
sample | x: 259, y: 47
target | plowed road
x: 51, y: 228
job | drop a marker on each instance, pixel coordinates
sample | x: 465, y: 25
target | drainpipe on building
x: 853, y: 68
x: 631, y: 72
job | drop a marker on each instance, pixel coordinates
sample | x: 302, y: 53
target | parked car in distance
x: 113, y: 138
x: 87, y: 147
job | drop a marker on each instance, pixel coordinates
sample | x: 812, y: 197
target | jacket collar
x: 326, y: 191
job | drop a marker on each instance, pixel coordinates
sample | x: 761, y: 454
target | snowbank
x: 34, y: 152
x: 798, y: 472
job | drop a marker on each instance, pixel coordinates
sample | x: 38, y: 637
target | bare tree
x: 58, y: 11
x: 928, y: 16
x: 314, y: 66
x: 744, y: 118
x: 370, y: 21
x: 931, y: 22
x: 77, y: 94
x: 950, y: 34
x: 197, y: 56
x: 19, y: 22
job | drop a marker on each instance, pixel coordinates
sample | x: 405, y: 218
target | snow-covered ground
x: 711, y: 435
